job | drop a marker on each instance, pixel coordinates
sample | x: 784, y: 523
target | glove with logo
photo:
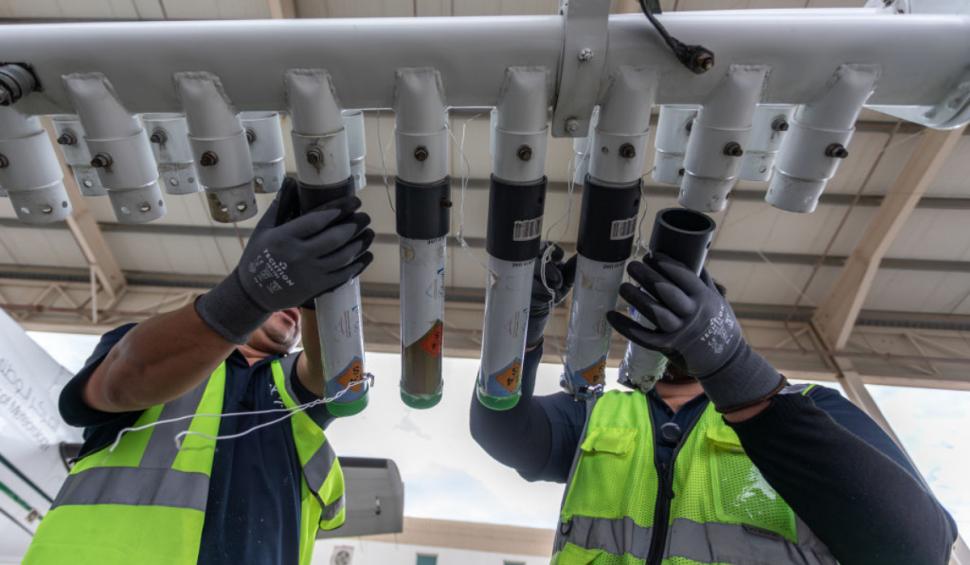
x: 559, y: 276
x: 287, y: 263
x: 697, y: 331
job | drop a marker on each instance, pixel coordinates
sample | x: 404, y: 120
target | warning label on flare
x: 509, y: 377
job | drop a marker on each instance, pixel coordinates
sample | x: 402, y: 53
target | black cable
x: 697, y: 58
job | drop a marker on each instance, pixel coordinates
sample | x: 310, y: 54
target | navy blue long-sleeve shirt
x: 833, y: 465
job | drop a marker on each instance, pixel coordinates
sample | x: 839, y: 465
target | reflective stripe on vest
x: 145, y: 500
x: 722, y: 511
x: 703, y: 543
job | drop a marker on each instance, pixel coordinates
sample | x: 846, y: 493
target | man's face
x: 279, y: 333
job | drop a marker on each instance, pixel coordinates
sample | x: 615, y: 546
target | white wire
x: 567, y: 215
x: 380, y: 149
x: 367, y: 380
x: 463, y: 187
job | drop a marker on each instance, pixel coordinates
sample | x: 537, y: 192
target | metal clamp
x: 581, y: 65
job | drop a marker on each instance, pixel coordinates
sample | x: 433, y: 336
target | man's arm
x: 537, y: 437
x: 158, y: 360
x: 309, y: 367
x: 860, y: 501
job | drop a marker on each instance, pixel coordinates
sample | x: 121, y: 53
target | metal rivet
x: 4, y: 162
x: 524, y: 152
x: 88, y: 183
x: 250, y: 135
x: 242, y: 206
x: 46, y: 209
x: 681, y: 172
x: 779, y: 124
x: 572, y: 125
x: 836, y: 150
x: 445, y: 203
x: 733, y: 149
x: 144, y: 207
x: 421, y: 153
x: 160, y: 203
x: 101, y: 161
x: 628, y: 151
x: 158, y: 136
x: 67, y: 138
x: 125, y: 210
x: 63, y: 203
x: 314, y: 156
x: 208, y: 159
x: 585, y: 54
x: 173, y: 181
x: 258, y: 181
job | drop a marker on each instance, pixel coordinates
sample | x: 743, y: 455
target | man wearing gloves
x: 721, y: 461
x: 153, y: 484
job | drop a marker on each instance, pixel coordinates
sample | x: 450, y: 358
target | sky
x: 447, y: 476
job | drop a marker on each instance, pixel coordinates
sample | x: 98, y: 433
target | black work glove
x: 559, y: 276
x: 286, y: 264
x: 696, y: 330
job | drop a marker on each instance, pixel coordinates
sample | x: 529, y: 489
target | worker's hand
x: 287, y: 264
x: 696, y: 330
x: 559, y: 277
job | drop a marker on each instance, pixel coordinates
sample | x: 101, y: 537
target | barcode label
x: 524, y: 230
x: 622, y: 229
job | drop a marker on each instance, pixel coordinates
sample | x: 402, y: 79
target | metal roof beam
x: 837, y: 314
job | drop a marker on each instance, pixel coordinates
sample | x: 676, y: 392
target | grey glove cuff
x: 745, y: 380
x: 229, y: 311
x: 537, y: 327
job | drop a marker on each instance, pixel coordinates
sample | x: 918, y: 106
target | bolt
x: 208, y: 159
x: 314, y: 156
x: 524, y: 152
x: 4, y: 162
x: 67, y: 138
x: 572, y: 125
x: 144, y: 207
x: 585, y: 54
x: 242, y: 206
x: 421, y: 153
x: 158, y: 136
x: 445, y: 202
x: 681, y: 172
x: 779, y: 124
x: 628, y: 151
x: 250, y: 135
x: 47, y: 209
x: 836, y: 150
x: 101, y: 161
x: 733, y: 149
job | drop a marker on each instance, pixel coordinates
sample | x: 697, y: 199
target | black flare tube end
x: 515, y: 219
x: 684, y: 235
x: 313, y: 196
x: 608, y: 221
x: 423, y: 210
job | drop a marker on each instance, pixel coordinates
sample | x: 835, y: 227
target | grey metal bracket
x: 583, y: 60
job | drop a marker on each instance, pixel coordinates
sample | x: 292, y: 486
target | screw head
x: 314, y: 156
x: 628, y: 151
x: 4, y: 162
x: 144, y: 207
x: 572, y: 125
x: 836, y: 151
x: 779, y: 124
x: 524, y: 152
x: 681, y: 172
x: 158, y: 136
x: 101, y: 161
x: 208, y: 159
x: 250, y: 135
x: 702, y: 61
x: 47, y: 209
x: 421, y: 153
x: 67, y: 138
x: 585, y: 54
x: 733, y: 149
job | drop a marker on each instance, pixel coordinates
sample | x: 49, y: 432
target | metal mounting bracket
x: 581, y: 66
